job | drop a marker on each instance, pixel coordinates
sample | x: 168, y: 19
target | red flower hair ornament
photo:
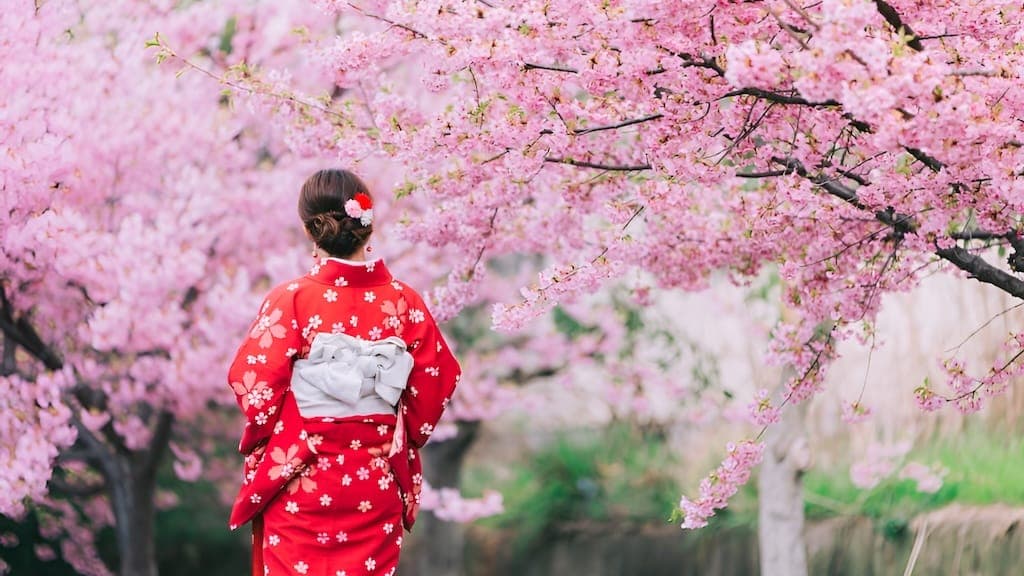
x: 360, y: 207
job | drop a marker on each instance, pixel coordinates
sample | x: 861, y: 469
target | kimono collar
x: 338, y: 272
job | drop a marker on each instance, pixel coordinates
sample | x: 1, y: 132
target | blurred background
x: 147, y: 210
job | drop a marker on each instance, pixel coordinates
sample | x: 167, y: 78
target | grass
x: 623, y: 474
x: 984, y: 467
x: 615, y: 474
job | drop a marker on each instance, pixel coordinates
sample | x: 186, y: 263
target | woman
x: 342, y: 378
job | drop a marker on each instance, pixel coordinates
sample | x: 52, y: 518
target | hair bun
x: 325, y: 226
x: 322, y: 211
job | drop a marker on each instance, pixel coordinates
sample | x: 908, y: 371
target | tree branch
x: 893, y: 18
x: 77, y: 490
x: 98, y: 452
x: 608, y: 167
x: 581, y: 131
x: 976, y: 266
x: 776, y: 97
x: 932, y: 164
x: 157, y: 444
x: 982, y: 271
x: 553, y: 68
x: 24, y: 334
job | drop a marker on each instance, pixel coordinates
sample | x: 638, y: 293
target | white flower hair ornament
x: 361, y: 207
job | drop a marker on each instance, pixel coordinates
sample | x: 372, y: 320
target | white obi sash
x: 348, y: 376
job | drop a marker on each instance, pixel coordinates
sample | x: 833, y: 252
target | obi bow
x: 346, y: 376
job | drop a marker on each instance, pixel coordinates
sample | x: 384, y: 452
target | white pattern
x: 389, y: 528
x: 363, y: 473
x: 340, y: 281
x: 274, y: 539
x: 341, y: 537
x: 323, y: 538
x: 365, y: 506
x: 346, y: 480
x: 293, y: 286
x: 375, y: 333
x: 301, y: 567
x: 370, y: 563
x: 331, y: 295
x: 416, y: 315
x: 325, y: 500
x: 291, y: 507
x: 338, y: 327
x: 369, y: 296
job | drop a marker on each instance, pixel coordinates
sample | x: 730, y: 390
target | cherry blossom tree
x: 856, y: 145
x: 136, y: 220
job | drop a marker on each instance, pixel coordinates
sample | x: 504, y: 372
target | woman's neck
x: 357, y: 256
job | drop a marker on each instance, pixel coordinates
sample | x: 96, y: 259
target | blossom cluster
x: 449, y: 505
x: 722, y: 484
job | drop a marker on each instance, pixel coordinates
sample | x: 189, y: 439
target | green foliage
x: 191, y: 538
x: 614, y: 474
x: 228, y: 35
x: 983, y: 468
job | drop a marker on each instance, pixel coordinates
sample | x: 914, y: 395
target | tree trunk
x: 131, y: 496
x: 438, y: 545
x: 131, y: 485
x: 781, y: 495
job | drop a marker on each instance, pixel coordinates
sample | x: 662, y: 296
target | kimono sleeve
x: 262, y: 369
x: 434, y: 375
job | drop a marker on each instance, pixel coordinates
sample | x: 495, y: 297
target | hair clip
x: 361, y: 207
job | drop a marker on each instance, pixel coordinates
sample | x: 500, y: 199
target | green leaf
x: 228, y: 35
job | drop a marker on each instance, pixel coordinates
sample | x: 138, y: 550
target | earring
x: 369, y: 248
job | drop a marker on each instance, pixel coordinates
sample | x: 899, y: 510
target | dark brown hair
x: 322, y: 210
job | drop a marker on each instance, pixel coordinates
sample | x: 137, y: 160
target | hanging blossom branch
x: 557, y: 283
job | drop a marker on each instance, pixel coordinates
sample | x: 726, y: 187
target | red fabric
x: 315, y: 480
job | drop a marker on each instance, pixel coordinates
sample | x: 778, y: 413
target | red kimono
x: 329, y: 496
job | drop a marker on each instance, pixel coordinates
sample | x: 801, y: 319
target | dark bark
x: 438, y: 545
x: 19, y: 331
x: 130, y: 479
x: 131, y: 497
x: 893, y: 18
